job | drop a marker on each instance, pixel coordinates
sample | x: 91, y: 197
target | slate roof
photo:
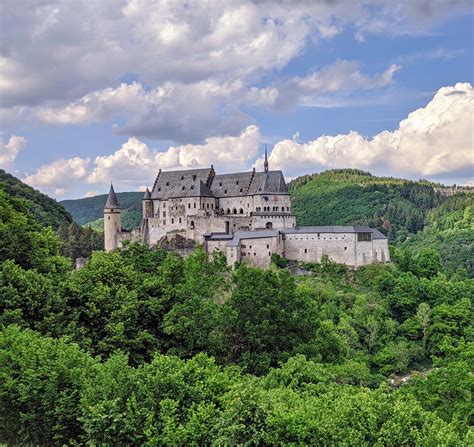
x: 376, y: 234
x: 112, y: 201
x: 186, y: 183
x: 239, y: 235
x: 147, y: 195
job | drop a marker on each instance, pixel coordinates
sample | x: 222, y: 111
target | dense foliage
x: 142, y: 347
x: 90, y: 209
x: 21, y: 203
x: 449, y: 230
x: 350, y: 197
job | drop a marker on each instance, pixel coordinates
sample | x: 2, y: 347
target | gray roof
x: 376, y: 234
x: 112, y: 201
x: 147, y: 195
x: 239, y: 235
x: 186, y: 183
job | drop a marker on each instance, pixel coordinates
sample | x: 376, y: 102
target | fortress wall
x: 364, y: 253
x: 244, y: 203
x: 258, y: 251
x: 381, y: 250
x: 308, y: 247
x: 279, y: 222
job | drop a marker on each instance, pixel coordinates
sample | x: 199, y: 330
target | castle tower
x: 112, y: 221
x: 147, y: 205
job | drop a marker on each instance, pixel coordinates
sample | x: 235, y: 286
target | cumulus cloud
x: 436, y: 140
x: 58, y: 177
x: 10, y: 150
x: 134, y: 162
x: 50, y: 51
x: 167, y: 113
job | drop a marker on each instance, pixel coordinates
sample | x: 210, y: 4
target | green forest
x: 143, y: 347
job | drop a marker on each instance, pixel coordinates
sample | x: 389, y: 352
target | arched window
x: 191, y: 225
x: 228, y: 211
x: 268, y: 225
x: 276, y: 208
x: 241, y: 211
x: 222, y: 210
x: 234, y: 211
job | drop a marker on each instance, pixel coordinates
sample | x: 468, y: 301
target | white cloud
x: 58, y: 177
x: 135, y: 163
x: 10, y: 150
x: 191, y: 112
x: 432, y: 141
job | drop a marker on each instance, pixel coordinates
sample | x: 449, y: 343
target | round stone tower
x: 147, y: 205
x: 112, y: 221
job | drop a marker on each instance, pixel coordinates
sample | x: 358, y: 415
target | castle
x: 246, y: 215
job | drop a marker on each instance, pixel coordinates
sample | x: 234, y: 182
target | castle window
x: 164, y: 222
x: 182, y: 177
x: 194, y: 204
x: 227, y: 211
x: 109, y: 217
x: 241, y: 189
x: 208, y: 206
x: 184, y: 187
x: 191, y: 225
x: 364, y: 237
x: 237, y: 182
x: 241, y: 211
x: 306, y: 250
x: 172, y: 220
x: 345, y: 248
x: 159, y: 189
x: 269, y: 254
x: 225, y: 191
x: 222, y: 210
x: 268, y: 246
x: 167, y: 183
x: 189, y: 205
x: 194, y: 177
x: 192, y: 187
x: 164, y: 213
x: 234, y: 211
x: 180, y: 220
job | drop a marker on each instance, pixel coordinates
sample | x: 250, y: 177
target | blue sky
x: 117, y: 90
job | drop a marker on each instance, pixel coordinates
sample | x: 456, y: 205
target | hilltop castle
x: 246, y: 215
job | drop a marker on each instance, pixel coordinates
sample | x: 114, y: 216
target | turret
x: 147, y: 205
x: 265, y: 163
x: 112, y: 221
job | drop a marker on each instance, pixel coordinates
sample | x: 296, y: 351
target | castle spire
x: 112, y: 201
x: 265, y: 164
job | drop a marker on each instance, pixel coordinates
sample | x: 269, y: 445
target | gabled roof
x: 172, y: 184
x: 112, y: 201
x: 147, y: 195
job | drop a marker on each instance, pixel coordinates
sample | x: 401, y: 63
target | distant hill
x: 90, y: 209
x: 45, y: 210
x: 397, y: 207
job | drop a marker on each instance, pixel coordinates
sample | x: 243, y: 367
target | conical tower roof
x: 112, y: 201
x: 147, y: 195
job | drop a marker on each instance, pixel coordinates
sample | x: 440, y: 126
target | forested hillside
x: 449, y: 230
x: 90, y: 209
x: 39, y: 210
x: 349, y: 196
x: 143, y: 347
